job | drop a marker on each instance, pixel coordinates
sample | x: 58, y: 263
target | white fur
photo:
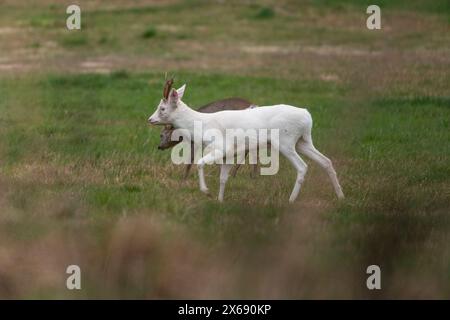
x: 294, y: 126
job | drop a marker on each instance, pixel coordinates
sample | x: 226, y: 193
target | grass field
x: 82, y: 181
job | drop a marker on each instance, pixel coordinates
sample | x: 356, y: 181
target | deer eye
x: 163, y: 109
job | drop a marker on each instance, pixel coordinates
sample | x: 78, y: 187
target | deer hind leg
x: 186, y: 171
x: 224, y: 173
x: 238, y: 165
x: 189, y: 166
x: 299, y: 165
x: 254, y: 172
x: 307, y: 148
x: 235, y: 170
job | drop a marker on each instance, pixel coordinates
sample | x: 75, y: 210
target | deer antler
x: 167, y: 88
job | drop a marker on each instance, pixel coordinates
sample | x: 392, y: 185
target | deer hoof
x: 205, y: 190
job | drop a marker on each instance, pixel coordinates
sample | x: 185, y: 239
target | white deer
x: 294, y: 125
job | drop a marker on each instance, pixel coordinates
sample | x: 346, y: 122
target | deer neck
x: 186, y: 117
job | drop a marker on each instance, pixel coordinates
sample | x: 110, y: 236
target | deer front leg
x: 201, y: 175
x: 214, y: 156
x: 209, y: 158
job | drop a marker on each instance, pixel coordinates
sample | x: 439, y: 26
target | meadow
x: 82, y: 181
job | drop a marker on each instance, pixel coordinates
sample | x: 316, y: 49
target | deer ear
x: 180, y: 91
x: 173, y: 97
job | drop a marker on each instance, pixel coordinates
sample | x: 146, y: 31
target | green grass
x: 436, y: 7
x: 74, y: 39
x: 404, y: 154
x: 150, y: 32
x: 265, y: 13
